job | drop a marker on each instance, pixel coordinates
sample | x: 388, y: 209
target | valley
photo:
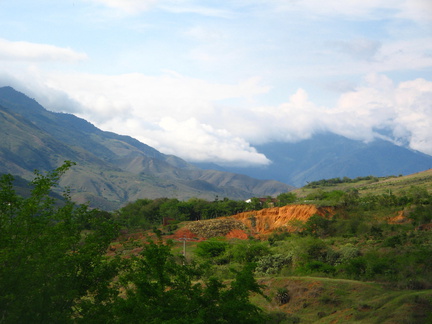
x: 110, y: 229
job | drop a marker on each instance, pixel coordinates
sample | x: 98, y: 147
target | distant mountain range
x: 111, y: 169
x: 328, y: 155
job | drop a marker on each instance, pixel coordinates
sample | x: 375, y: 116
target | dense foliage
x: 361, y: 241
x: 147, y: 213
x: 47, y: 258
x: 54, y: 269
x: 54, y: 266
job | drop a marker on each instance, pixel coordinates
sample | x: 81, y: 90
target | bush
x: 248, y: 251
x: 272, y: 264
x: 348, y: 252
x: 282, y: 296
x: 211, y: 249
x: 317, y: 267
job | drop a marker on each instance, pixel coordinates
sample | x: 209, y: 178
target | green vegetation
x: 147, y: 213
x: 368, y: 263
x: 50, y: 256
x: 370, y: 185
x: 54, y: 269
x: 337, y: 181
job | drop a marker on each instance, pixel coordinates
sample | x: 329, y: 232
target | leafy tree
x: 161, y: 288
x: 255, y: 204
x: 47, y: 262
x: 286, y: 198
x: 248, y: 251
x: 211, y: 248
x: 318, y: 226
x: 421, y: 214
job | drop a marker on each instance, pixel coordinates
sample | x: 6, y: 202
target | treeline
x: 147, y: 213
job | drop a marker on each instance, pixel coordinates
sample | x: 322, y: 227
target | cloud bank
x: 34, y: 52
x: 191, y: 119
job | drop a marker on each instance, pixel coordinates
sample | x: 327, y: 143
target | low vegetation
x: 368, y: 263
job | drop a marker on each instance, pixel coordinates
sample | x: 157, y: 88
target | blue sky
x: 208, y: 80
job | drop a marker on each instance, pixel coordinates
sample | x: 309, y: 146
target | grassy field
x: 378, y: 185
x: 324, y: 300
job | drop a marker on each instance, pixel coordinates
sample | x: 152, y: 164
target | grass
x: 324, y: 300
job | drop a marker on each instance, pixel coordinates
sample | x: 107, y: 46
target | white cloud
x: 33, y: 52
x: 196, y: 141
x: 129, y: 6
x: 404, y: 110
x: 417, y: 10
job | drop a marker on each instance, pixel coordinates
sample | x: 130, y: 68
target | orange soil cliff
x: 267, y: 220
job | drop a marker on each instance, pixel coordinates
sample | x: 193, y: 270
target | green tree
x: 47, y: 262
x: 211, y: 248
x: 319, y: 226
x: 286, y: 198
x: 161, y: 288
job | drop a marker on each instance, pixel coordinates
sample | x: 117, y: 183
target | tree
x: 318, y: 226
x: 161, y: 288
x: 286, y: 198
x: 47, y: 262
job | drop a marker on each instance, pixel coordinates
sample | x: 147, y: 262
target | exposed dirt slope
x: 267, y: 220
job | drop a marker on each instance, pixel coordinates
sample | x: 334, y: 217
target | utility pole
x: 184, y: 239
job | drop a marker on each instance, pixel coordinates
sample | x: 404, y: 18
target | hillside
x: 111, y: 169
x: 372, y: 185
x: 269, y: 220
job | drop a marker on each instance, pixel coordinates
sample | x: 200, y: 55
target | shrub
x: 211, y: 248
x: 317, y: 267
x: 272, y: 264
x: 348, y: 252
x: 248, y: 251
x: 282, y: 296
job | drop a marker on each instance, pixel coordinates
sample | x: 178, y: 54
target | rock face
x: 287, y: 217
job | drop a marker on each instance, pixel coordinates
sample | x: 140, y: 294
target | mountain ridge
x: 111, y: 169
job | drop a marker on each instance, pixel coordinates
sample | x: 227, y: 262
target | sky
x: 208, y: 81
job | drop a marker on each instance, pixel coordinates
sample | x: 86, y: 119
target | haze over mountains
x: 111, y: 169
x: 114, y: 169
x: 329, y: 155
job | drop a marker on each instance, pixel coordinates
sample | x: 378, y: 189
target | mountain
x: 111, y: 169
x: 326, y: 156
